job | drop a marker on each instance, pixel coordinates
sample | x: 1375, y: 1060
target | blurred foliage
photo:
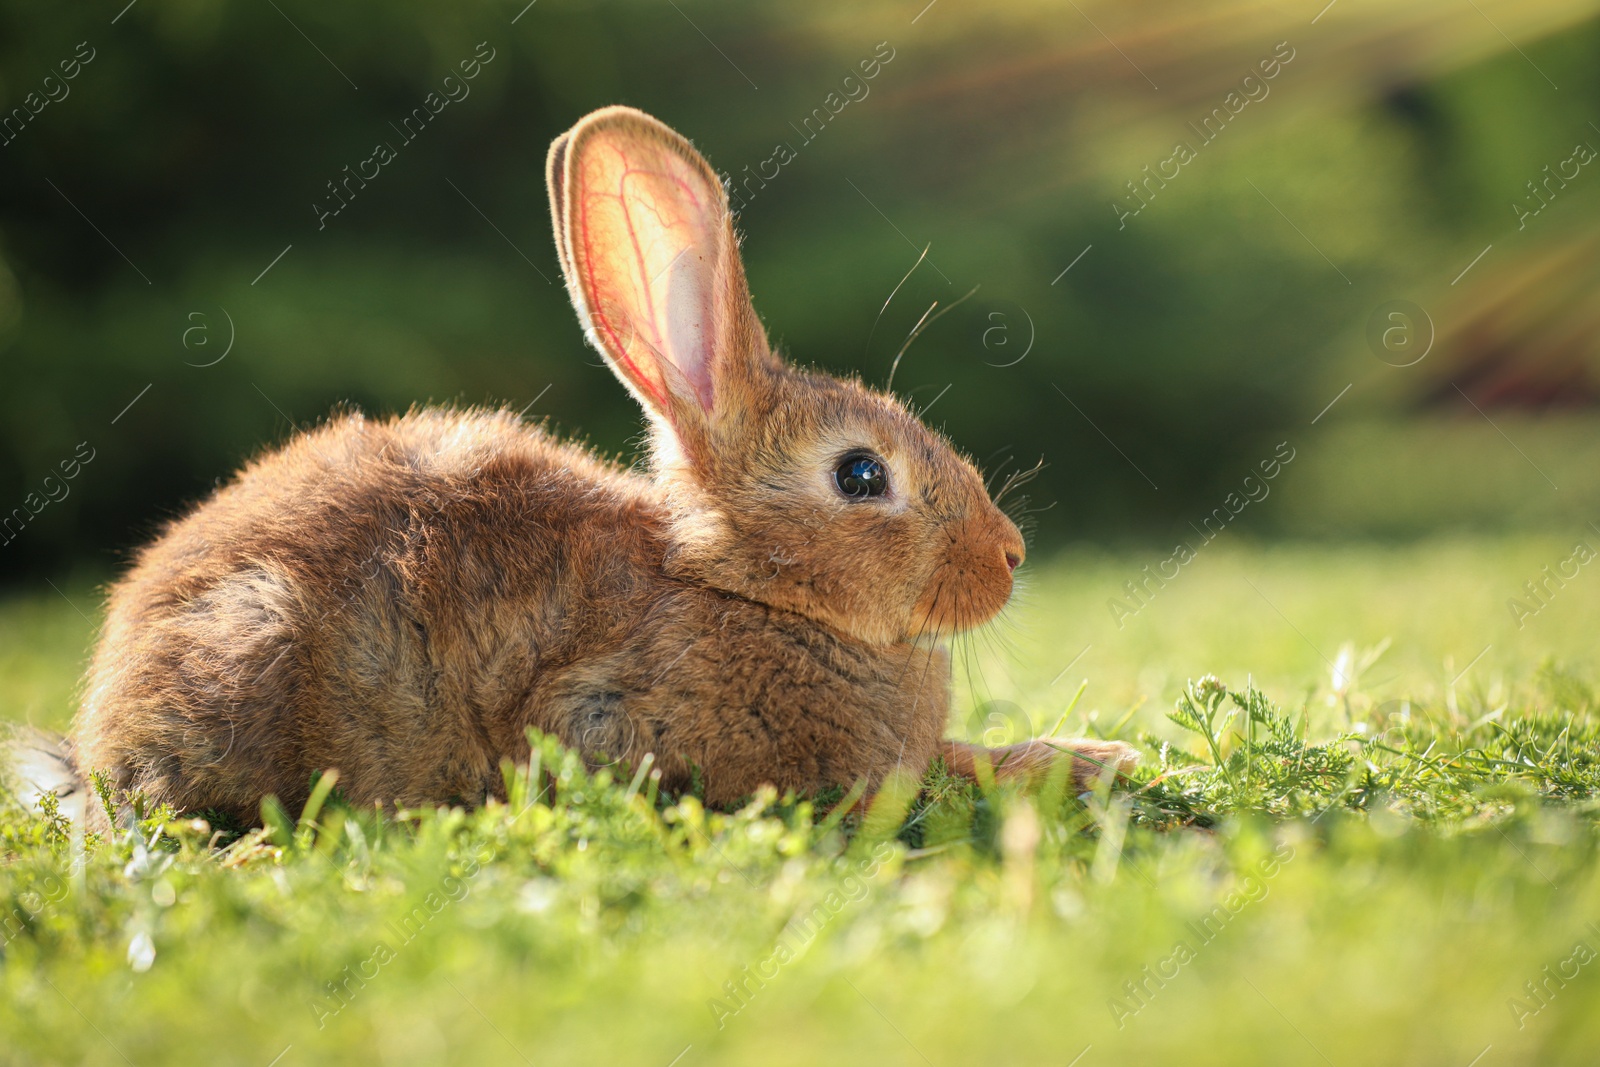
x: 146, y: 202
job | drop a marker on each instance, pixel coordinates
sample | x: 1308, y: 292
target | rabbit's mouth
x: 957, y: 612
x: 961, y: 600
x: 972, y: 582
x: 972, y: 579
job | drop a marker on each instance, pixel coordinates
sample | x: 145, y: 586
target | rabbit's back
x: 376, y: 596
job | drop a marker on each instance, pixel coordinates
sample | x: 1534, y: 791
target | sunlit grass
x: 1365, y: 872
x: 1417, y: 615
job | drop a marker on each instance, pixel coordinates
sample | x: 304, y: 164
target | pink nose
x: 1012, y: 559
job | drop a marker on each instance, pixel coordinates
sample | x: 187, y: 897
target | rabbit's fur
x: 401, y: 599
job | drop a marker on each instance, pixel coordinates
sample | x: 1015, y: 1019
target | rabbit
x: 403, y: 598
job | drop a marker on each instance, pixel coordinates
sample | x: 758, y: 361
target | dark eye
x: 861, y: 476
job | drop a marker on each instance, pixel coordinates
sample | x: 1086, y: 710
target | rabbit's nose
x: 1011, y: 545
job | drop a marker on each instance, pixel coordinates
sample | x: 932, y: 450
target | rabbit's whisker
x: 916, y: 331
x: 926, y: 672
x: 886, y: 303
x: 927, y: 621
x: 988, y: 479
x: 973, y: 673
x: 1018, y: 479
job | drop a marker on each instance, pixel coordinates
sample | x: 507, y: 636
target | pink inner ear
x: 647, y: 232
x: 690, y: 329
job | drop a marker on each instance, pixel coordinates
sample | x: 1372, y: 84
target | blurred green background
x: 141, y: 209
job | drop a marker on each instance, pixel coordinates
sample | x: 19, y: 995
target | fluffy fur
x: 401, y: 599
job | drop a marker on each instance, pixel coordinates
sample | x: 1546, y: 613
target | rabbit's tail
x: 35, y: 762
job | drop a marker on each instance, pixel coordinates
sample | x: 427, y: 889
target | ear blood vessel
x: 402, y: 598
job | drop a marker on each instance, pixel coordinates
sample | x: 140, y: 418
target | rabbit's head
x: 790, y: 487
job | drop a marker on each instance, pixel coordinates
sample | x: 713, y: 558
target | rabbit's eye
x: 861, y: 475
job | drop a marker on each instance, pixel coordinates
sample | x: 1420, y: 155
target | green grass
x: 1345, y: 857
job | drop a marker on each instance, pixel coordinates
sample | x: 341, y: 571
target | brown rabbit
x: 401, y: 599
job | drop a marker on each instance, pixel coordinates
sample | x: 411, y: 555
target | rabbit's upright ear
x: 647, y: 245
